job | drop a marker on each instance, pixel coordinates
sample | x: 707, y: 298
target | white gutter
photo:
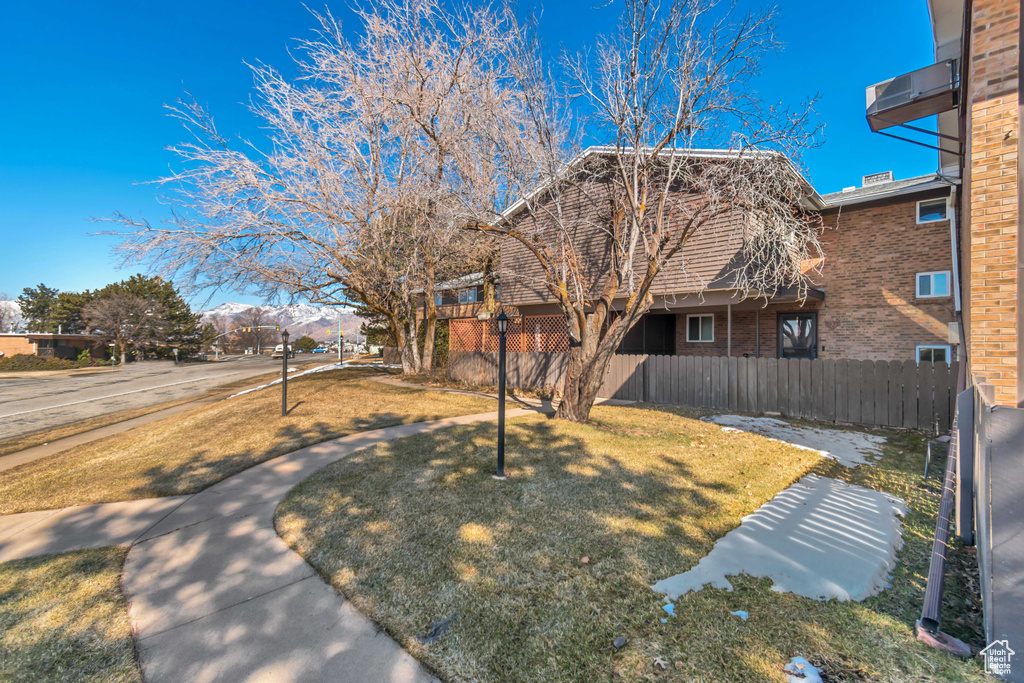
x: 837, y: 201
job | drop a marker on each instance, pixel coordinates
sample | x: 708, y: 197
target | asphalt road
x: 28, y: 404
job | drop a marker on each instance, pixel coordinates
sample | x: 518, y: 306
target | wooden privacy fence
x: 881, y: 393
x: 392, y: 355
x: 529, y: 370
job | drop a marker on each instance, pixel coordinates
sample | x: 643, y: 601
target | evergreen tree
x: 38, y: 305
x: 67, y: 311
x: 376, y: 329
x: 179, y: 325
x: 304, y: 343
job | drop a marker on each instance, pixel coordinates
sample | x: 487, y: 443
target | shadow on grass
x: 63, y: 618
x: 417, y: 530
x: 507, y: 556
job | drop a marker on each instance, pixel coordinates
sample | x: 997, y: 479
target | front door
x: 798, y: 335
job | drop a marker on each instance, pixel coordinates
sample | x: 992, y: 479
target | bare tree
x: 124, y: 319
x: 357, y: 196
x: 7, y: 308
x: 675, y: 78
x: 254, y: 319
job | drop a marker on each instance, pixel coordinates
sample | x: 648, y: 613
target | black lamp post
x: 284, y: 374
x: 502, y: 321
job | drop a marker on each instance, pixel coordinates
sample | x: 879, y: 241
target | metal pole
x: 284, y: 379
x: 339, y: 337
x: 501, y: 404
x: 728, y: 330
x: 757, y: 334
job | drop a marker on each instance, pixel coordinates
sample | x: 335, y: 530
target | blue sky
x: 83, y: 87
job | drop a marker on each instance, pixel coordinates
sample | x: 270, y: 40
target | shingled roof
x: 887, y: 189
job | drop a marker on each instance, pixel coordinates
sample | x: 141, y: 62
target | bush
x: 22, y: 362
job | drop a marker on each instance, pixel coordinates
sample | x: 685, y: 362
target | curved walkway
x: 214, y: 594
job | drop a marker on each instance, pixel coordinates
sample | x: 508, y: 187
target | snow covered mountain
x: 299, y: 319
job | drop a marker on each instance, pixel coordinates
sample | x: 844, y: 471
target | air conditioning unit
x: 915, y: 95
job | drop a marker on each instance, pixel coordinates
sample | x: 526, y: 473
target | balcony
x: 915, y: 95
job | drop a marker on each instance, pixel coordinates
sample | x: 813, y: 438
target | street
x: 29, y: 404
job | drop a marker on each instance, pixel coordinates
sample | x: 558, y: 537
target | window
x: 497, y: 292
x: 798, y: 335
x: 700, y: 328
x: 931, y: 210
x: 467, y: 296
x: 652, y: 334
x: 438, y: 299
x: 931, y: 285
x: 933, y: 354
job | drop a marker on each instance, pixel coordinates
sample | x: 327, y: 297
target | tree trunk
x: 427, y: 362
x: 405, y: 350
x: 584, y: 375
x: 588, y: 361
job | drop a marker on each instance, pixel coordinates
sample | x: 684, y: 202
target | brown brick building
x: 66, y: 346
x: 867, y: 303
x: 973, y: 91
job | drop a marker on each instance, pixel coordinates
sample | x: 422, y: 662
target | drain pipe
x: 954, y: 245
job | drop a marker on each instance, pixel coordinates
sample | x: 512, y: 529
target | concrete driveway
x: 30, y: 403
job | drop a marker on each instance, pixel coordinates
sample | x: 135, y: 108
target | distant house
x: 883, y: 288
x: 67, y: 346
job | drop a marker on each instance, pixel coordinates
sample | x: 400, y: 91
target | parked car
x: 279, y: 351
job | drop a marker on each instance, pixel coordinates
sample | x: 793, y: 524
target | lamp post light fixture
x: 502, y: 322
x: 284, y: 374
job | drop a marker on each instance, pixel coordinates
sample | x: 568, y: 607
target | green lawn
x: 544, y: 571
x: 189, y: 451
x: 64, y: 618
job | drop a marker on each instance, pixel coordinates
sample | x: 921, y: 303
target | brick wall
x: 993, y: 129
x: 12, y: 345
x: 871, y: 310
x: 744, y: 332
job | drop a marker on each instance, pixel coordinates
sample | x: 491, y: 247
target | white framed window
x: 933, y: 284
x: 700, y: 327
x: 931, y: 210
x: 934, y: 353
x: 467, y: 296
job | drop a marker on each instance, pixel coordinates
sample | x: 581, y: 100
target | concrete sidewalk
x: 214, y: 594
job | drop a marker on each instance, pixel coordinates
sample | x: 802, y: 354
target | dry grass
x: 189, y: 451
x: 417, y: 531
x: 64, y: 618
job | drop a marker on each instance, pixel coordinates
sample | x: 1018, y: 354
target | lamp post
x: 502, y: 321
x: 284, y: 374
x: 113, y: 351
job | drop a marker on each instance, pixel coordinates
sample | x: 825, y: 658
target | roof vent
x: 876, y: 178
x: 849, y: 189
